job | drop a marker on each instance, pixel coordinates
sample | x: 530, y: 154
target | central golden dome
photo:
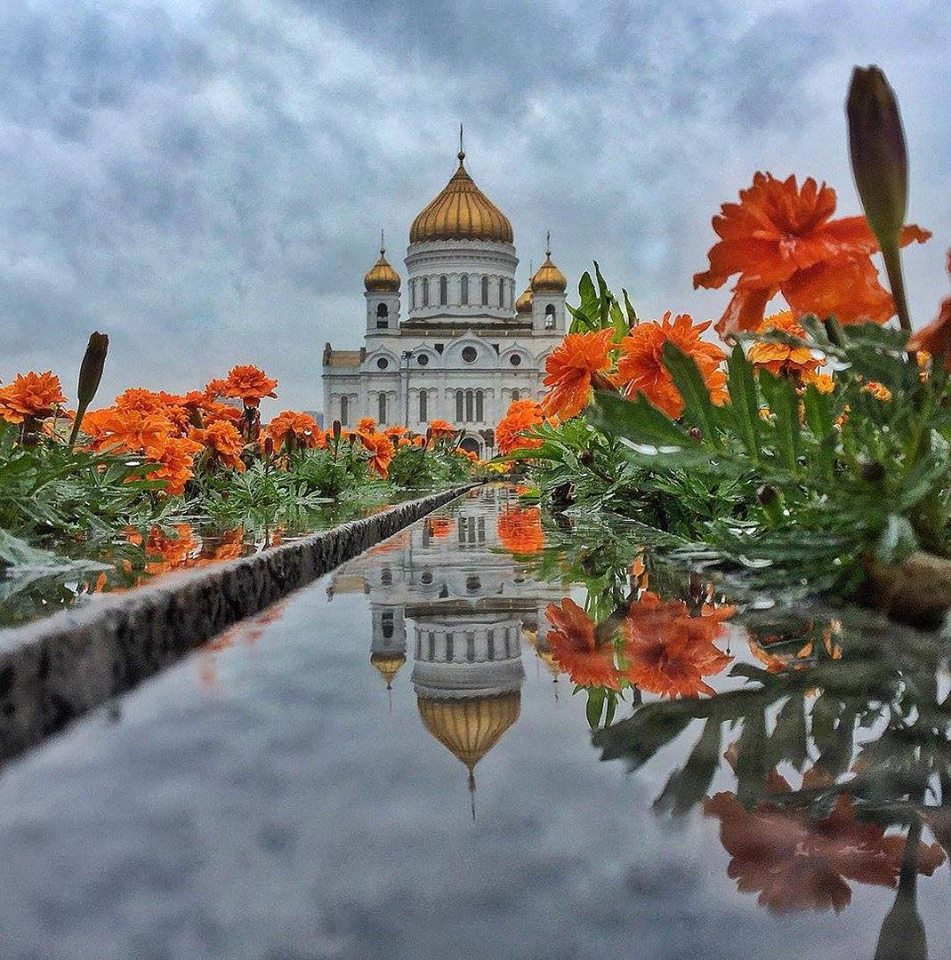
x: 461, y: 212
x: 469, y: 729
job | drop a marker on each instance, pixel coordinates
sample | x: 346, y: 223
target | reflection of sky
x: 290, y: 807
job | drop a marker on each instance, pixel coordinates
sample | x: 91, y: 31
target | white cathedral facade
x: 466, y: 347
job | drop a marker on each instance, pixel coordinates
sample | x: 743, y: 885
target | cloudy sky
x: 206, y: 181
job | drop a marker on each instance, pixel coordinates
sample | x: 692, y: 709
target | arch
x: 515, y: 395
x: 460, y: 400
x: 470, y: 444
x: 443, y: 291
x: 550, y: 317
x: 485, y: 291
x: 382, y: 316
x: 381, y: 409
x: 425, y: 291
x: 480, y: 406
x: 464, y: 289
x: 470, y: 405
x: 345, y: 410
x: 412, y: 294
x: 501, y: 291
x: 423, y: 406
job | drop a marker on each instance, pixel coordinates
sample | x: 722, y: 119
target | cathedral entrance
x: 470, y: 444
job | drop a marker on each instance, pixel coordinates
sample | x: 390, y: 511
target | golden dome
x: 524, y: 302
x: 548, y: 278
x: 461, y: 212
x: 469, y: 729
x: 381, y: 276
x: 388, y: 665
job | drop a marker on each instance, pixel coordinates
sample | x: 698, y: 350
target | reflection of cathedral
x: 470, y: 605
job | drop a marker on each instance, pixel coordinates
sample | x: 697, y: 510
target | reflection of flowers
x: 440, y: 527
x: 520, y: 530
x: 574, y: 649
x: 669, y: 652
x: 797, y: 863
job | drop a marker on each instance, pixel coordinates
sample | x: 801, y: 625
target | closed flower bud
x: 269, y: 446
x: 336, y: 429
x: 877, y: 147
x: 771, y: 500
x: 90, y: 372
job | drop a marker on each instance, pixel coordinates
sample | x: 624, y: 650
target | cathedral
x: 467, y: 346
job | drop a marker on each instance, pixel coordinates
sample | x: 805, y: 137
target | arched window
x: 382, y: 316
x: 443, y: 291
x: 480, y: 405
x: 425, y: 291
x: 470, y: 397
x: 550, y: 317
x: 515, y: 395
x: 460, y: 396
x: 501, y: 292
x: 485, y: 291
x: 464, y: 298
x: 386, y: 622
x: 423, y: 406
x: 412, y: 294
x: 381, y: 409
x: 345, y: 411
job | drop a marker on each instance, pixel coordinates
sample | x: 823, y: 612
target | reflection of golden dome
x: 469, y: 729
x: 549, y: 278
x: 382, y: 277
x: 388, y: 665
x: 461, y: 212
x: 524, y: 302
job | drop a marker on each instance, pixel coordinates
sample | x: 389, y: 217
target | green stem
x: 896, y: 281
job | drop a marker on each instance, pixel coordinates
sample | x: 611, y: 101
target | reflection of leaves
x: 686, y: 787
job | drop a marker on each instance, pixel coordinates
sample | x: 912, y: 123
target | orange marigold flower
x: 381, y: 452
x: 935, y: 338
x: 877, y: 390
x: 779, y: 358
x: 780, y: 238
x: 248, y: 384
x: 302, y: 425
x: 132, y: 430
x: 176, y: 459
x: 224, y: 442
x: 641, y: 368
x: 393, y: 434
x: 366, y: 425
x: 441, y: 428
x: 30, y: 396
x: 823, y: 382
x: 669, y: 652
x: 575, y: 649
x: 520, y: 530
x: 570, y: 367
x: 521, y: 415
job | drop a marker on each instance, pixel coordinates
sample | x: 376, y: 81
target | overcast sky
x: 206, y: 181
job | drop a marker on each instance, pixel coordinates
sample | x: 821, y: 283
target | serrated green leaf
x: 744, y: 401
x: 698, y: 408
x: 781, y: 397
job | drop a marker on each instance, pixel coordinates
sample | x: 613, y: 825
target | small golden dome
x: 524, y: 302
x: 461, y: 212
x: 548, y: 278
x: 469, y: 729
x: 382, y: 278
x: 388, y: 665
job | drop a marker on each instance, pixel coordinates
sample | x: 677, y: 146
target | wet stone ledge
x: 54, y: 670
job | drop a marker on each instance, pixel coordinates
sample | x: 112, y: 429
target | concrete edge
x: 54, y: 670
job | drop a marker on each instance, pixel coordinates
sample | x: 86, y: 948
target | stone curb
x: 56, y: 669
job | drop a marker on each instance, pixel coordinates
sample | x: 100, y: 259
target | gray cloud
x: 206, y: 181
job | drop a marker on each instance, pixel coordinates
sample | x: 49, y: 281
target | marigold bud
x: 90, y: 371
x: 337, y: 427
x: 877, y: 148
x: 269, y: 446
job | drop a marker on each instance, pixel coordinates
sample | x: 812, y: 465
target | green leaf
x: 744, y: 401
x: 632, y: 318
x: 781, y: 397
x: 698, y: 407
x: 897, y: 540
x: 637, y: 420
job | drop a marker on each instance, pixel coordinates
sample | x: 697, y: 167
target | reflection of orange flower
x: 302, y: 425
x: 573, y: 647
x: 165, y: 550
x: 247, y: 383
x: 936, y: 337
x: 440, y: 527
x: 797, y: 863
x: 31, y: 395
x: 779, y: 358
x: 780, y: 239
x: 570, y: 367
x: 224, y: 442
x: 521, y: 415
x: 669, y: 652
x: 641, y: 366
x: 520, y: 529
x: 381, y: 452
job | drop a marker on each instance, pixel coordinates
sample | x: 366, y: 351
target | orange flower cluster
x: 31, y: 396
x: 662, y: 650
x: 302, y: 426
x: 521, y: 416
x: 520, y: 530
x: 441, y: 429
x: 796, y: 863
x: 248, y: 384
x: 223, y: 443
x: 779, y: 358
x: 641, y: 368
x: 780, y: 238
x: 381, y: 451
x: 935, y: 338
x: 570, y: 370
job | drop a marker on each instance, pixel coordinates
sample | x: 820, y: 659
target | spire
x: 472, y: 786
x: 382, y: 244
x: 548, y: 243
x: 462, y: 150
